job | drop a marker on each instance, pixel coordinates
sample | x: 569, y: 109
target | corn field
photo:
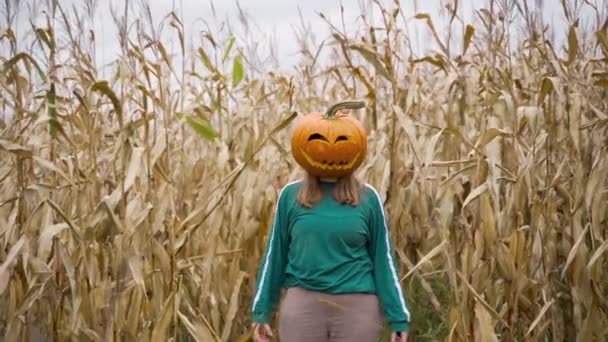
x: 137, y: 206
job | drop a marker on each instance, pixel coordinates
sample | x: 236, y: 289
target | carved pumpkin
x: 332, y: 144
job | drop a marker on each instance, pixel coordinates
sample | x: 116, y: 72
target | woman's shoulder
x: 371, y: 195
x: 291, y: 188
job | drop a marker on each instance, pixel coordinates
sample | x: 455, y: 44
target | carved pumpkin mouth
x: 333, y: 165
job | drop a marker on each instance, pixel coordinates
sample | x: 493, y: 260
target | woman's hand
x: 261, y: 332
x: 399, y: 337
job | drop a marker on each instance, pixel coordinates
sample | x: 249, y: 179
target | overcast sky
x: 277, y: 19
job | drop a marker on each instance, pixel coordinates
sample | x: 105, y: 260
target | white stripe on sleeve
x: 388, y: 254
x: 268, y: 255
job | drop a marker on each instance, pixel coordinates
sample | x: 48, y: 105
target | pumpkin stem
x: 331, y: 111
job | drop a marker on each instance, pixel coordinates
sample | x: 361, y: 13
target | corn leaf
x: 238, y: 71
x: 602, y: 40
x: 231, y: 41
x: 373, y: 59
x: 201, y: 127
x: 9, y: 262
x: 468, y: 38
x: 602, y: 83
x: 25, y: 57
x: 14, y: 148
x: 104, y: 88
x: 572, y: 44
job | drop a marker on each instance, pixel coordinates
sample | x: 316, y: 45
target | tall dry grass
x: 137, y: 207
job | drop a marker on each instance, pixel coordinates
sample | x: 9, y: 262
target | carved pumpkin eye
x: 341, y: 138
x: 316, y: 136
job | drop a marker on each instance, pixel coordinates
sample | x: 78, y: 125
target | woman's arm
x: 386, y: 272
x: 271, y: 271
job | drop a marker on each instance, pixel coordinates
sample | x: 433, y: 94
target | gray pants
x: 310, y: 316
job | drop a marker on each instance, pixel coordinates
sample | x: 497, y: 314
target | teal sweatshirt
x: 332, y: 248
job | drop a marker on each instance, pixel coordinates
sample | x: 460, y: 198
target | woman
x: 330, y: 245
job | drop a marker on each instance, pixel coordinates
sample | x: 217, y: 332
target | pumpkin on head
x: 332, y: 144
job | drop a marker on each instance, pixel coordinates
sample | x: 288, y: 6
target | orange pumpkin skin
x: 329, y: 146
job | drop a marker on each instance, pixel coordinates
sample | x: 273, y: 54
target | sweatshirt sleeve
x: 271, y: 271
x: 386, y: 272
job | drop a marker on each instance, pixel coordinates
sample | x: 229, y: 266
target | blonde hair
x: 347, y: 190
